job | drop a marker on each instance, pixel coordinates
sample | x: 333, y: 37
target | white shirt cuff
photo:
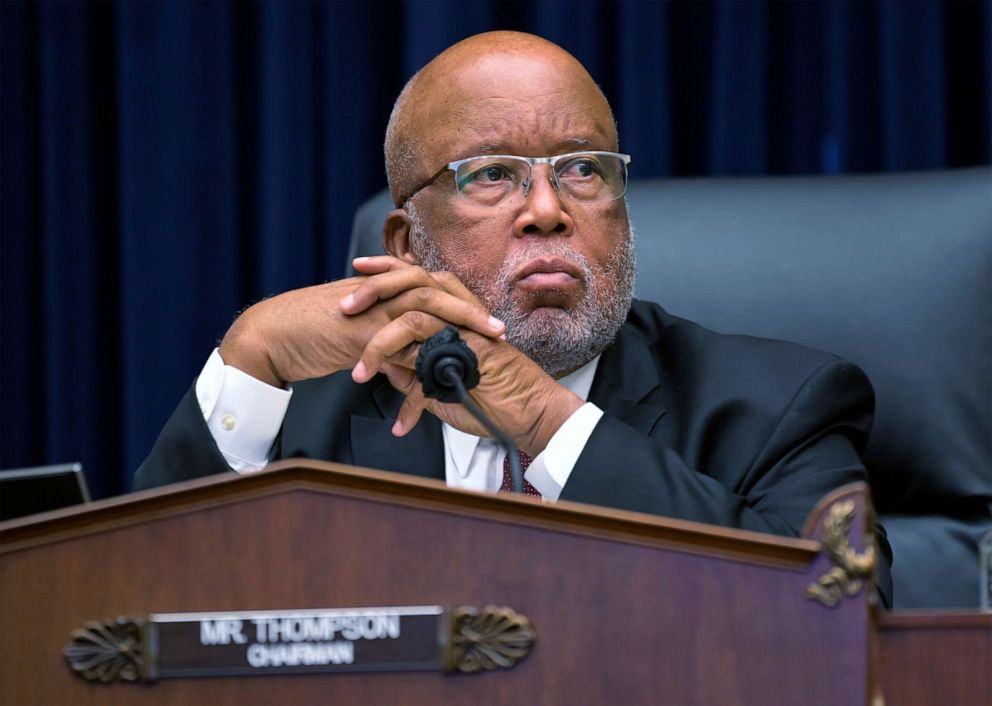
x: 550, y: 469
x: 244, y: 414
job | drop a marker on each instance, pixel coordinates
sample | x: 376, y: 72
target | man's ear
x: 396, y: 236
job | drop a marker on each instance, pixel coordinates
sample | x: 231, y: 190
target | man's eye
x: 580, y: 169
x: 492, y: 173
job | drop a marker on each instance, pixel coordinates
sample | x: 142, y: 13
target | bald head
x: 438, y: 108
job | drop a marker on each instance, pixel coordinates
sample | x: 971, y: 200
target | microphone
x: 443, y: 358
x: 447, y: 369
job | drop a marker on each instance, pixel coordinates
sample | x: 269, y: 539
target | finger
x: 454, y: 286
x: 410, y: 413
x: 377, y: 264
x: 406, y: 357
x: 399, y: 336
x: 385, y: 285
x: 400, y: 377
x: 390, y: 277
x: 459, y: 312
x: 457, y: 288
x: 413, y: 289
x: 413, y: 406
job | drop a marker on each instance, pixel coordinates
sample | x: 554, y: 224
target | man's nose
x: 543, y: 212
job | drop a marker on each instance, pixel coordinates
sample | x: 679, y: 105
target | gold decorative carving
x: 108, y: 651
x: 851, y: 569
x: 492, y: 638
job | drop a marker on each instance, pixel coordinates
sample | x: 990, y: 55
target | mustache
x: 551, y: 249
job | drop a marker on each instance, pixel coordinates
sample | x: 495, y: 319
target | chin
x: 547, y: 314
x: 529, y: 301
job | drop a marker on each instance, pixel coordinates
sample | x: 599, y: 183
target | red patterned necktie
x: 507, y: 486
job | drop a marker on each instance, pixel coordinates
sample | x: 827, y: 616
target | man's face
x: 557, y: 271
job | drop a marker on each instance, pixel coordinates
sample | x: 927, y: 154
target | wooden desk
x: 936, y: 658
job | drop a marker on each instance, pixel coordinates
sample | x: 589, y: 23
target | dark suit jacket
x: 728, y: 430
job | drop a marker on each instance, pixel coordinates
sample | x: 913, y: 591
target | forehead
x: 517, y: 105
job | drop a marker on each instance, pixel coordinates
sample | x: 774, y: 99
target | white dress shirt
x: 244, y: 416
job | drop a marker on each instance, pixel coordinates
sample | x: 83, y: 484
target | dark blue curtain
x: 165, y: 165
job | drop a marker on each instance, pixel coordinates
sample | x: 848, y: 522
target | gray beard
x: 559, y: 340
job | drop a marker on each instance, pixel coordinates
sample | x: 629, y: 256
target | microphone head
x: 440, y: 355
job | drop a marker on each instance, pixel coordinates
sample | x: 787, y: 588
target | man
x: 503, y: 162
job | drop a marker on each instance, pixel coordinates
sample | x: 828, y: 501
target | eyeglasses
x: 492, y: 180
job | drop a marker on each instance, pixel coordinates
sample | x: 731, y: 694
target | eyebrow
x: 565, y: 144
x: 576, y: 142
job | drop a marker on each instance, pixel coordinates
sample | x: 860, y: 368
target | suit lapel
x: 625, y: 380
x: 420, y: 452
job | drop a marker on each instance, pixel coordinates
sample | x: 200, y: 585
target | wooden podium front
x: 626, y: 608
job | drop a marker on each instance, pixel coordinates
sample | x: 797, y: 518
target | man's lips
x: 547, y: 273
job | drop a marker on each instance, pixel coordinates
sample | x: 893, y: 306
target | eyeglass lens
x: 583, y: 177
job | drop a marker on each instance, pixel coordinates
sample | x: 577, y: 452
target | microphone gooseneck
x: 447, y: 369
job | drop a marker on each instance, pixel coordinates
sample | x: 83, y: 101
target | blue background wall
x: 166, y: 164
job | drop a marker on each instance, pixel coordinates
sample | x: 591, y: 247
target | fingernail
x: 363, y: 258
x: 495, y: 323
x: 398, y: 428
x: 348, y: 301
x: 503, y: 337
x: 358, y: 373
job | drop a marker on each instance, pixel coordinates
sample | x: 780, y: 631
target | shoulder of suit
x: 679, y: 341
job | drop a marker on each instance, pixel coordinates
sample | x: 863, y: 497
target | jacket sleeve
x: 183, y: 451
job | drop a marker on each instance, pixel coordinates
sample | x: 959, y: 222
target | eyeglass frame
x: 531, y: 161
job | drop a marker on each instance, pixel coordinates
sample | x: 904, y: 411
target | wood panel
x: 628, y: 608
x: 936, y: 658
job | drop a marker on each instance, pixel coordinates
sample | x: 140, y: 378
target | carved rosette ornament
x: 489, y: 639
x: 108, y: 651
x: 851, y: 569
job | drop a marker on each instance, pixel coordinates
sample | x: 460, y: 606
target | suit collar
x: 626, y: 378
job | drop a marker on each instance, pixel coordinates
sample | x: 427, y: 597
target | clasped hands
x: 375, y: 322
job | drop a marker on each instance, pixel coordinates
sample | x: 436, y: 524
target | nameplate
x: 272, y: 642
